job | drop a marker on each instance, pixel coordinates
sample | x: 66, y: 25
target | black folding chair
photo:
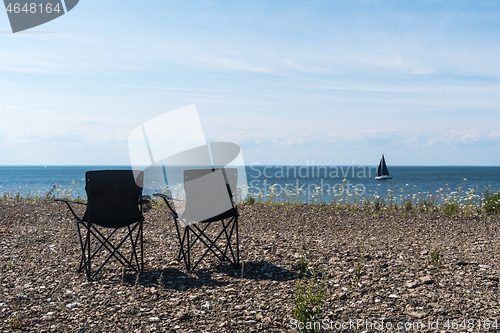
x: 114, y: 202
x: 209, y: 200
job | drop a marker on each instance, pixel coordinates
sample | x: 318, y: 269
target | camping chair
x: 209, y: 199
x: 114, y: 201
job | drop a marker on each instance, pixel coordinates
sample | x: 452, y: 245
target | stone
x: 71, y: 305
x: 411, y: 284
x: 427, y: 279
x: 418, y: 315
x: 182, y: 316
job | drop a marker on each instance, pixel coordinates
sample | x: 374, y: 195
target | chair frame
x: 186, y: 242
x: 104, y: 241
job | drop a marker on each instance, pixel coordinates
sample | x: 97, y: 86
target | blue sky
x: 323, y: 82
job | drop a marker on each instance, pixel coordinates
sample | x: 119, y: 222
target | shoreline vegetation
x: 320, y: 266
x: 463, y: 200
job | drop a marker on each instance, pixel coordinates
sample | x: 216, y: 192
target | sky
x: 291, y: 82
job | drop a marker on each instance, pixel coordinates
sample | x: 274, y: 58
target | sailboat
x: 382, y: 172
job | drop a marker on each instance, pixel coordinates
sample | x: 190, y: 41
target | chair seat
x: 114, y: 224
x: 227, y: 214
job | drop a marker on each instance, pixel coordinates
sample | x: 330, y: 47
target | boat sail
x: 382, y: 172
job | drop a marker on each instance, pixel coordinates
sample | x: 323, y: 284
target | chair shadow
x: 258, y: 270
x: 171, y: 278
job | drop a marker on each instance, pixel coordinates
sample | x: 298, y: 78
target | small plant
x: 357, y: 273
x: 423, y: 205
x: 242, y: 269
x: 160, y: 281
x: 408, y: 205
x: 450, y: 208
x: 366, y: 203
x: 309, y: 295
x: 15, y: 323
x: 136, y: 283
x: 303, y: 266
x: 123, y: 275
x: 491, y: 202
x: 49, y: 196
x: 436, y: 257
x: 250, y: 200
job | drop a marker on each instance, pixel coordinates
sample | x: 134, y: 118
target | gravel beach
x: 416, y: 268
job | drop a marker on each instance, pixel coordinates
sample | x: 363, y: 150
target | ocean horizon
x: 37, y: 180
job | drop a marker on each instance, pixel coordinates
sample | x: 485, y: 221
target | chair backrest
x: 113, y: 197
x: 209, y: 192
x: 231, y: 178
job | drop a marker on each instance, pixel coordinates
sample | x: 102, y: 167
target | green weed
x: 250, y: 200
x: 450, y: 208
x: 436, y: 257
x: 16, y: 323
x: 357, y: 273
x: 408, y: 205
x: 491, y: 202
x: 309, y: 296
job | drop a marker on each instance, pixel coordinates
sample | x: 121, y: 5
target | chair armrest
x: 166, y: 198
x: 145, y: 202
x: 67, y: 202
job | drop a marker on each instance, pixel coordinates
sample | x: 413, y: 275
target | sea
x: 299, y: 183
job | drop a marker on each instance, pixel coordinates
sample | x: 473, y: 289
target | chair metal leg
x: 89, y: 271
x: 212, y: 244
x: 229, y: 238
x: 133, y: 255
x: 84, y: 245
x: 108, y: 246
x: 188, y: 249
x: 114, y: 250
x: 142, y: 247
x: 82, y: 248
x: 234, y: 229
x: 186, y: 243
x: 237, y: 244
x: 182, y: 253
